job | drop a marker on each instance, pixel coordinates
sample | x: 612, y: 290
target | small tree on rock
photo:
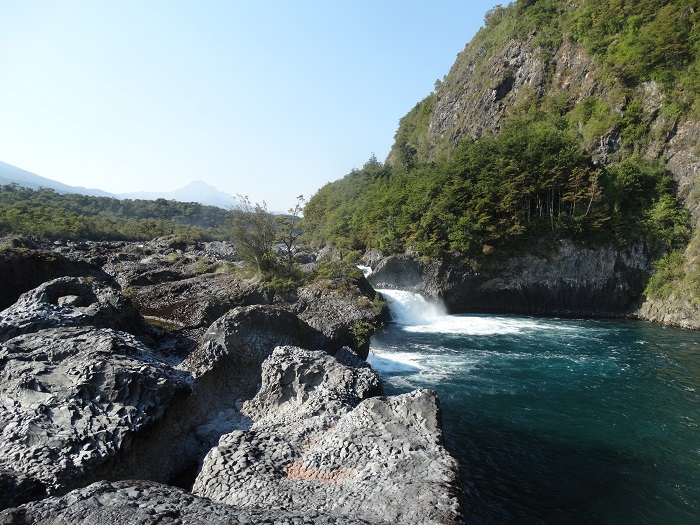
x: 290, y: 230
x: 252, y: 230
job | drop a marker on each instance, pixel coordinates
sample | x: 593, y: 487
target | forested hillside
x: 46, y: 214
x: 559, y: 120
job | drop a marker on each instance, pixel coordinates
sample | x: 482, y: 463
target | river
x: 556, y: 421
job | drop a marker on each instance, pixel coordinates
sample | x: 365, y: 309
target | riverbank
x: 247, y: 399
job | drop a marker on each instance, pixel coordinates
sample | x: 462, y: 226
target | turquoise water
x: 557, y: 421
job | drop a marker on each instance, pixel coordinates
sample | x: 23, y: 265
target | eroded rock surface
x: 246, y: 336
x: 313, y: 445
x: 70, y: 301
x: 148, y: 503
x: 226, y: 370
x: 74, y: 397
x: 157, y: 261
x: 23, y: 268
x: 84, y: 400
x: 303, y: 391
x: 335, y: 309
x: 196, y: 301
x: 567, y: 280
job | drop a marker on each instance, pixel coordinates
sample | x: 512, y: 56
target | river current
x: 556, y: 421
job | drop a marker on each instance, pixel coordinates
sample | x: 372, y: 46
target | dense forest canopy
x: 535, y: 178
x: 530, y: 181
x: 45, y: 213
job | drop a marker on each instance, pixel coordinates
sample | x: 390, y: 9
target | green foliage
x: 677, y: 274
x: 289, y: 230
x: 282, y: 283
x: 47, y: 214
x: 343, y: 271
x: 409, y: 141
x: 530, y: 181
x: 642, y: 40
x: 534, y: 179
x: 669, y: 272
x: 543, y: 19
x: 252, y: 231
x: 256, y: 234
x: 640, y: 193
x: 361, y: 332
x: 519, y: 183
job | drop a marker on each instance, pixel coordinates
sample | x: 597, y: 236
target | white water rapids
x: 417, y: 314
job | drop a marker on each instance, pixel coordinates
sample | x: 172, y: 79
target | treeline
x: 531, y: 181
x: 47, y: 214
x: 535, y: 180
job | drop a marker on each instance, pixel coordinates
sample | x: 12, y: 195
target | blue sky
x: 269, y: 99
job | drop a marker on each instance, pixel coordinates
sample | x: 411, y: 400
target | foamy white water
x: 412, y: 309
x: 417, y: 314
x: 526, y: 401
x: 396, y: 362
x: 366, y: 270
x: 413, y: 314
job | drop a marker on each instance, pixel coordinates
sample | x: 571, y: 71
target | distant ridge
x: 197, y: 191
x: 11, y: 174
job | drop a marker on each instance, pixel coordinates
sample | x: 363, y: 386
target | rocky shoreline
x: 561, y: 281
x: 248, y: 407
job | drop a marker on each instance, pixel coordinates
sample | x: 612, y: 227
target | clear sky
x: 269, y: 99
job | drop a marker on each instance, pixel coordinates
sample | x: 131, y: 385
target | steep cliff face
x: 569, y: 281
x: 470, y: 103
x: 488, y: 83
x: 500, y: 75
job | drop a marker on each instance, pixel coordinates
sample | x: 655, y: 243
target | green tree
x: 252, y: 231
x: 290, y: 231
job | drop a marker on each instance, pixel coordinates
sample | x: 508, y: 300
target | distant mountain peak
x: 196, y: 191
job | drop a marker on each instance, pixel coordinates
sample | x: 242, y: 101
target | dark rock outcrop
x: 499, y: 75
x: 243, y: 338
x: 91, y: 392
x: 336, y: 309
x: 74, y: 397
x: 141, y: 264
x: 71, y: 301
x: 23, y: 269
x: 469, y: 104
x: 226, y: 370
x: 682, y: 312
x: 148, y: 503
x: 196, y: 301
x: 313, y: 445
x: 569, y: 281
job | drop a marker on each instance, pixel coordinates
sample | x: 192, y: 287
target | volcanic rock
x: 196, y: 301
x: 70, y: 301
x: 148, y: 503
x: 73, y: 397
x: 338, y: 309
x: 24, y: 268
x: 226, y: 370
x: 312, y: 446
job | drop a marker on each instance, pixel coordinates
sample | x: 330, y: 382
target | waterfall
x: 409, y: 308
x: 367, y: 270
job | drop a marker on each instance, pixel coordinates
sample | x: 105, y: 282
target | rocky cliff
x: 505, y: 72
x: 568, y: 281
